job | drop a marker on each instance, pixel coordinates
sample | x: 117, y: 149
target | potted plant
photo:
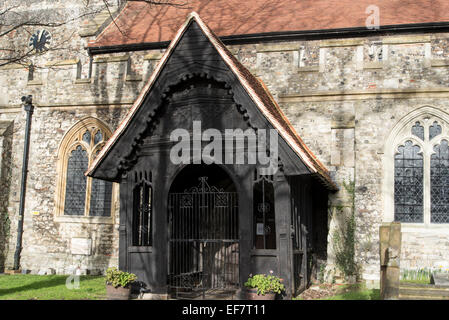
x: 263, y: 287
x: 118, y: 284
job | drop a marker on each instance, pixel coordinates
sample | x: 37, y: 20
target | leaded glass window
x: 439, y: 183
x: 98, y: 137
x: 434, y: 130
x: 86, y: 137
x: 80, y: 195
x: 421, y: 171
x: 408, y: 183
x: 100, y: 198
x: 76, y: 182
x: 418, y: 130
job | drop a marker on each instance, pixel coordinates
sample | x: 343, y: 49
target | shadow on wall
x: 5, y: 185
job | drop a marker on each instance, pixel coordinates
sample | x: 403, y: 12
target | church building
x: 197, y: 144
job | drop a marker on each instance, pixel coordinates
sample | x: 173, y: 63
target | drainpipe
x: 28, y: 106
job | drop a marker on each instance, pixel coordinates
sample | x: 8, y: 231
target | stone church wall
x: 343, y: 97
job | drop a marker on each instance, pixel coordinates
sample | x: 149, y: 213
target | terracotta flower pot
x: 251, y: 294
x: 118, y: 293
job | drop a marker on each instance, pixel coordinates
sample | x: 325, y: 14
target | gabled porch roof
x: 256, y: 90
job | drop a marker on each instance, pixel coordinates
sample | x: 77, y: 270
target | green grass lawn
x: 53, y: 287
x: 348, y: 292
x: 373, y: 294
x: 418, y: 281
x: 355, y: 292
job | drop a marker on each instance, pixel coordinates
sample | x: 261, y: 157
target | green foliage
x: 265, y: 284
x: 420, y: 275
x: 373, y: 294
x: 417, y: 275
x: 354, y: 292
x: 344, y: 247
x: 5, y: 224
x: 321, y: 273
x: 350, y: 187
x: 119, y: 278
x: 344, y: 239
x: 347, y: 292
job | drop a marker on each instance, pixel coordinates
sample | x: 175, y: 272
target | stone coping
x: 111, y: 59
x: 341, y: 43
x: 153, y: 56
x: 367, y: 94
x: 406, y: 39
x: 282, y: 47
x: 439, y: 62
x: 309, y: 69
x: 62, y: 63
x: 133, y: 78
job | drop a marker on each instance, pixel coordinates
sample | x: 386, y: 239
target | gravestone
x: 440, y: 279
x: 390, y: 252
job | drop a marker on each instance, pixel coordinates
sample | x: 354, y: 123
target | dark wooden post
x: 123, y: 240
x: 283, y: 215
x: 245, y: 227
x: 390, y: 252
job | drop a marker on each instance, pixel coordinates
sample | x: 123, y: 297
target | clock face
x: 40, y: 40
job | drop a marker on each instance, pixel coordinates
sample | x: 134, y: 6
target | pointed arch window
x: 421, y: 172
x: 76, y: 194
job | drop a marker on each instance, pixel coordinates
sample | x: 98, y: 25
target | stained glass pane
x: 439, y: 182
x: 434, y: 130
x: 86, y: 137
x: 100, y: 198
x: 408, y: 184
x: 418, y: 130
x: 75, y: 192
x: 98, y: 137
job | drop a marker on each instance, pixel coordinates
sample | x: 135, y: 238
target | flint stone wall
x: 342, y: 100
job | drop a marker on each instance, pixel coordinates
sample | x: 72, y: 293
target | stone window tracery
x: 420, y: 182
x: 76, y: 194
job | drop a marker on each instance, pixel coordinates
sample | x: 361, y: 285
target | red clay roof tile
x: 141, y: 23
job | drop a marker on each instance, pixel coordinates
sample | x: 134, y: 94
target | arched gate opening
x: 203, y: 233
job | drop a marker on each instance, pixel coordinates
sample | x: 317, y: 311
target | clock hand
x: 41, y: 35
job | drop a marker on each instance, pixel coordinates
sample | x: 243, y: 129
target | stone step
x: 411, y: 297
x: 423, y: 292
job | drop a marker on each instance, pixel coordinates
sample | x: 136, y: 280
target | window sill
x: 73, y: 219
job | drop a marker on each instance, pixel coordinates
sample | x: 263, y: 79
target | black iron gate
x: 204, y: 245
